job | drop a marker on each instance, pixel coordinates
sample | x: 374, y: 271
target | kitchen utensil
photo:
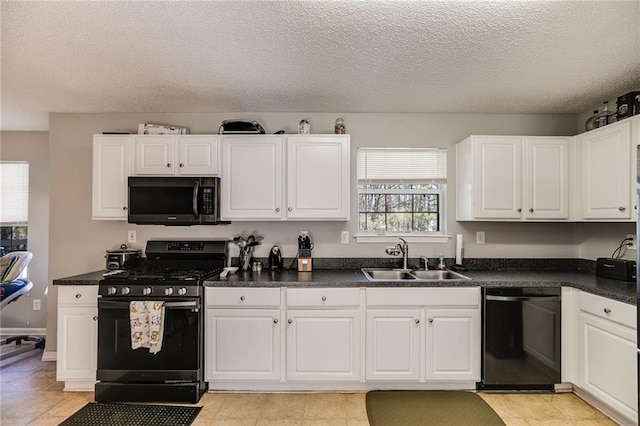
x: 227, y: 270
x: 275, y: 258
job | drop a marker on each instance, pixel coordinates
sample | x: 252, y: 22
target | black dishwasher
x: 520, y: 338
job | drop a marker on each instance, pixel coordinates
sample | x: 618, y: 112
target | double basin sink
x: 381, y: 274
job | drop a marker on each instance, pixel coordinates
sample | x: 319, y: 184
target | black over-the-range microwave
x: 174, y: 200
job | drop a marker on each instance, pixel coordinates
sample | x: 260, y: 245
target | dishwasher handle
x: 520, y: 298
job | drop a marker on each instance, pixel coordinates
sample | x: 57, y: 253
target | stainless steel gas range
x: 173, y: 274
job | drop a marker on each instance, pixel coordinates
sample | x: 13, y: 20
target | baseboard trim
x: 8, y: 332
x: 49, y: 356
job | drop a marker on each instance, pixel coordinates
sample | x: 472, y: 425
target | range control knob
x: 182, y: 291
x: 125, y: 290
x: 146, y: 291
x: 111, y: 291
x: 168, y: 291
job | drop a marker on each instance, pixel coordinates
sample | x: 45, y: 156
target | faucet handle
x: 392, y: 250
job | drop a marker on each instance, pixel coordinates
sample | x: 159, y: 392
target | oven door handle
x: 196, y: 189
x: 520, y: 298
x: 119, y: 304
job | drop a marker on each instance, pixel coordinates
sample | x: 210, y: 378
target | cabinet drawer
x: 468, y: 296
x: 610, y: 309
x: 78, y: 295
x: 321, y: 297
x: 243, y: 297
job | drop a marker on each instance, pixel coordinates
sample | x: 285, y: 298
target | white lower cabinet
x: 323, y: 344
x: 452, y: 344
x: 77, y: 337
x: 423, y: 334
x: 242, y: 334
x: 323, y: 334
x: 393, y: 344
x: 243, y: 344
x: 608, y: 356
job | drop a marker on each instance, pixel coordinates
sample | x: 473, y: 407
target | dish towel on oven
x: 147, y: 324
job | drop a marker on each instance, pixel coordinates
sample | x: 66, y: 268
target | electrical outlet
x: 36, y: 305
x: 634, y: 245
x: 131, y: 236
x: 480, y: 237
x: 344, y: 237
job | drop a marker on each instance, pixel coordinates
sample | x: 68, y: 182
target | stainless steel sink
x: 439, y: 275
x: 381, y: 274
x: 374, y: 274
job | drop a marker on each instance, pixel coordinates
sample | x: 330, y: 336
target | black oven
x: 172, y: 374
x: 173, y: 273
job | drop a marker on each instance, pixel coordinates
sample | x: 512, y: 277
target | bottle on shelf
x: 605, y: 117
x: 590, y: 124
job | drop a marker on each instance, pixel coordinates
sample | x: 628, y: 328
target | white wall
x: 77, y: 244
x: 32, y: 147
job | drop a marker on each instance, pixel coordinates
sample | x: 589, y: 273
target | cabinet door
x: 252, y: 178
x: 323, y: 345
x: 155, y: 155
x: 242, y: 344
x: 393, y: 344
x: 111, y: 168
x: 77, y: 343
x: 608, y: 363
x: 546, y: 178
x: 498, y: 177
x: 606, y: 172
x: 452, y: 344
x: 198, y: 155
x: 318, y: 177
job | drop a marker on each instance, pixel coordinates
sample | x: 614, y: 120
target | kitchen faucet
x: 400, y: 248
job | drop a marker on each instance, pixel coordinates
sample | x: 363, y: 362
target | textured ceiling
x: 314, y: 56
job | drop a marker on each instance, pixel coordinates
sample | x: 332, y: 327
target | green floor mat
x: 424, y: 408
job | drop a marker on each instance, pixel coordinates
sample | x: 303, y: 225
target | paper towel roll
x: 459, y: 249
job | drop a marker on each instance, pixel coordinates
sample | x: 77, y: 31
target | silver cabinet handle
x: 530, y: 210
x: 124, y: 208
x: 430, y: 319
x: 181, y: 165
x: 277, y: 209
x: 290, y: 209
x: 95, y: 318
x: 621, y: 208
x: 241, y: 297
x: 607, y: 310
x: 78, y: 296
x: 324, y: 298
x: 275, y: 320
x: 519, y: 210
x: 417, y: 321
x: 168, y: 165
x: 289, y: 320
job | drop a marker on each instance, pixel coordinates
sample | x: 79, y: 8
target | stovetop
x: 164, y: 273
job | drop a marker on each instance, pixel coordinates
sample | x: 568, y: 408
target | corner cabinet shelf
x: 297, y: 177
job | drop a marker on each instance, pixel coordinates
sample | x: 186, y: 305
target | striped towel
x: 147, y: 325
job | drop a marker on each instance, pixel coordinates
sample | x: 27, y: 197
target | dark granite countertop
x: 586, y: 281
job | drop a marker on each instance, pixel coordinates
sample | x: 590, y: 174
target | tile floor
x: 29, y: 395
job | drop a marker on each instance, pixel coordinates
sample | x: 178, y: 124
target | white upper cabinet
x: 112, y: 165
x: 318, y: 177
x: 313, y: 171
x: 251, y: 178
x: 512, y: 178
x: 192, y: 155
x: 604, y: 160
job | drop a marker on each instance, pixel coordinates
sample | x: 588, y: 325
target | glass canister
x: 339, y: 128
x: 590, y: 124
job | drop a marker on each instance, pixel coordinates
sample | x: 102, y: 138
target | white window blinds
x: 402, y: 164
x: 14, y: 193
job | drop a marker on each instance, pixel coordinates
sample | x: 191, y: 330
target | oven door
x: 180, y: 358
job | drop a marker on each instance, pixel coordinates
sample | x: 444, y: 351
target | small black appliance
x: 275, y: 258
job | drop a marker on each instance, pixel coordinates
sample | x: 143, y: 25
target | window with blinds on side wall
x: 401, y: 191
x: 14, y: 206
